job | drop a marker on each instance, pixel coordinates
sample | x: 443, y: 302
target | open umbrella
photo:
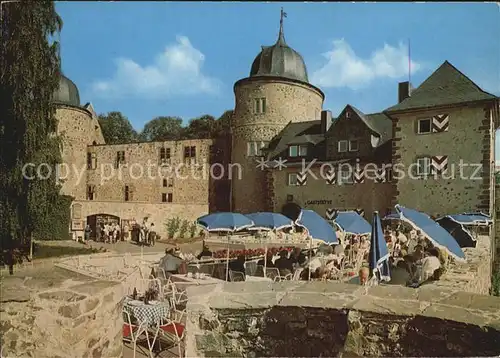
x: 471, y: 219
x: 225, y: 222
x: 317, y: 228
x: 268, y: 221
x: 353, y: 223
x: 432, y: 230
x: 463, y: 236
x: 379, y: 254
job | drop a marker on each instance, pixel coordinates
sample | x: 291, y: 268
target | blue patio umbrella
x: 463, y: 236
x: 379, y: 253
x: 317, y: 226
x: 353, y: 223
x: 471, y: 219
x: 269, y: 221
x: 432, y: 230
x: 225, y: 222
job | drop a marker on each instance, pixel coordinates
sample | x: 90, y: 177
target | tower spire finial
x: 281, y: 36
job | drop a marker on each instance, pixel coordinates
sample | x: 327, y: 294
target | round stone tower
x: 276, y: 93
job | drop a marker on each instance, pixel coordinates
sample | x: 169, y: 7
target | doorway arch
x: 291, y: 210
x: 95, y: 221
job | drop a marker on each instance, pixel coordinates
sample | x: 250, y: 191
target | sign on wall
x: 77, y: 225
x: 318, y: 202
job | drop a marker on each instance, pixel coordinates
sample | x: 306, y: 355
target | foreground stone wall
x: 328, y: 319
x: 54, y: 313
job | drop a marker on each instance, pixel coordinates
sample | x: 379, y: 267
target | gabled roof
x: 292, y: 130
x: 445, y: 86
x: 307, y: 138
x: 378, y: 123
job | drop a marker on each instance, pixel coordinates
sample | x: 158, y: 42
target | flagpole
x: 409, y: 62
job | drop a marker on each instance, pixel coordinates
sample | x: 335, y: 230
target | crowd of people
x: 111, y: 232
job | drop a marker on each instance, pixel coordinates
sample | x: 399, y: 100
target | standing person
x: 116, y: 233
x: 126, y: 232
x: 106, y: 233
x: 87, y: 233
x: 152, y: 235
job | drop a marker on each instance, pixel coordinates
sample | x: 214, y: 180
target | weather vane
x: 283, y: 15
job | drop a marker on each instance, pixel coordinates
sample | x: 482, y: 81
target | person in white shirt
x: 427, y: 269
x: 401, y: 237
x: 413, y: 234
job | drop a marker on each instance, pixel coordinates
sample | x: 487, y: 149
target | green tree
x: 116, y: 128
x: 223, y: 124
x: 201, y: 127
x: 162, y: 128
x: 30, y: 75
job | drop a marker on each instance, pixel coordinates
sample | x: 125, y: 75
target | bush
x: 495, y: 284
x: 183, y: 229
x: 172, y: 227
x: 192, y: 229
x: 58, y: 221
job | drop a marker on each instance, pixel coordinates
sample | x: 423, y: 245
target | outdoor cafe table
x: 150, y: 313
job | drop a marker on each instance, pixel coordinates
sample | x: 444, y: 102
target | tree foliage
x: 116, y: 128
x: 162, y: 128
x: 30, y: 75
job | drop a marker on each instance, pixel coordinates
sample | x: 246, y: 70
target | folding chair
x: 236, y: 276
x: 132, y: 330
x: 173, y: 328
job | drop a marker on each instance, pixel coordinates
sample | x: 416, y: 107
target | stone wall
x: 316, y: 319
x: 157, y: 213
x: 286, y: 101
x: 449, y: 193
x: 54, y: 313
x: 78, y: 129
x: 319, y: 196
x: 142, y: 173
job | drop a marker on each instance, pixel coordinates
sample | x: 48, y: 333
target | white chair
x: 133, y: 330
x: 236, y: 276
x: 172, y: 328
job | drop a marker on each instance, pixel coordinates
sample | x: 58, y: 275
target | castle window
x: 127, y: 193
x: 120, y: 158
x: 423, y: 166
x: 424, y: 126
x: 166, y: 197
x: 353, y: 146
x: 342, y: 146
x: 190, y: 155
x: 254, y: 149
x: 165, y: 154
x: 297, y: 150
x: 292, y: 179
x: 90, y: 192
x: 260, y: 105
x: 91, y: 161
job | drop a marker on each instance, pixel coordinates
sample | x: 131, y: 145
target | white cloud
x: 176, y: 71
x: 345, y: 69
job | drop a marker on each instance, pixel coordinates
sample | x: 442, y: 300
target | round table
x: 151, y: 313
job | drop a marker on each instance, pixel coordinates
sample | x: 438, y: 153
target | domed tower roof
x: 67, y: 93
x: 280, y: 60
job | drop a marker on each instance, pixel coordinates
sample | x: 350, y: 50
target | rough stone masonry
x: 306, y: 319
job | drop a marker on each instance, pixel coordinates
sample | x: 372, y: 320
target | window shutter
x: 439, y: 164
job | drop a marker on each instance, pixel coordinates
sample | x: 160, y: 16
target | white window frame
x: 299, y: 150
x: 351, y: 148
x: 346, y: 143
x: 290, y: 181
x: 260, y: 105
x: 422, y: 120
x: 419, y: 172
x: 341, y: 176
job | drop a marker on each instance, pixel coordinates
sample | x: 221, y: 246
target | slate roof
x: 289, y: 133
x: 376, y: 122
x: 445, y: 86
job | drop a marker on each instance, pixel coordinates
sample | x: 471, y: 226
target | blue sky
x: 148, y: 59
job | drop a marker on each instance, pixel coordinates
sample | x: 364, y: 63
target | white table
x: 184, y: 280
x: 257, y: 278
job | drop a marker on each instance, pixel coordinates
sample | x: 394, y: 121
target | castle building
x: 433, y: 151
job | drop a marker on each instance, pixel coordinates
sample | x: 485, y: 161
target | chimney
x: 404, y: 91
x: 326, y: 120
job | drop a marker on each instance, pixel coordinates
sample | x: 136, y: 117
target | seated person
x: 238, y: 265
x: 430, y: 265
x: 401, y: 237
x: 284, y: 264
x: 268, y: 260
x: 170, y: 262
x: 204, y: 253
x: 298, y: 257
